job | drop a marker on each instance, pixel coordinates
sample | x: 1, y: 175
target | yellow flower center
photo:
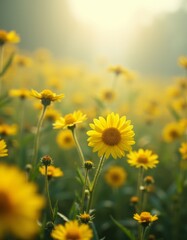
x: 69, y: 119
x: 5, y: 204
x: 73, y: 234
x: 47, y: 94
x: 142, y: 159
x: 145, y: 217
x: 174, y: 134
x: 111, y: 136
x: 115, y: 177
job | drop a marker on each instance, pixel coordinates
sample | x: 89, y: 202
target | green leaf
x: 63, y: 216
x: 124, y: 229
x: 7, y: 65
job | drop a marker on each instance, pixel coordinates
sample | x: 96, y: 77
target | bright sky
x: 109, y: 15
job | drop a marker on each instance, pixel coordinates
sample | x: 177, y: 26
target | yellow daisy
x: 145, y: 218
x: 21, y: 93
x: 142, y: 158
x: 70, y: 120
x: 52, y: 114
x: 172, y: 131
x: 20, y: 204
x: 8, y: 37
x: 52, y: 172
x: 65, y: 139
x: 46, y: 96
x: 3, y: 149
x: 111, y: 136
x: 72, y: 231
x: 116, y: 176
x: 8, y: 129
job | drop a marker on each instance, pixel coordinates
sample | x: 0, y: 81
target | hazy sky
x: 147, y: 35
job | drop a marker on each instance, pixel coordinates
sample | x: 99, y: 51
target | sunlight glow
x: 114, y: 14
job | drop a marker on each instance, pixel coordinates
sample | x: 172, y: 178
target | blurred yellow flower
x: 3, y: 148
x: 65, y: 139
x: 142, y: 158
x: 8, y: 37
x: 70, y: 120
x: 52, y: 171
x: 108, y: 95
x: 22, y: 61
x: 116, y: 176
x: 8, y: 129
x: 22, y: 93
x: 20, y: 204
x: 46, y: 96
x: 172, y: 131
x: 183, y: 150
x: 72, y: 231
x: 117, y: 69
x: 111, y: 136
x: 52, y: 114
x: 145, y: 218
x: 183, y: 61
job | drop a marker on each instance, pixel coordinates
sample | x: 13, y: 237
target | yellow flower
x: 70, y: 120
x: 8, y: 37
x: 3, y: 149
x: 108, y: 95
x: 21, y: 93
x: 172, y: 131
x: 52, y: 114
x: 20, y: 204
x: 115, y: 176
x: 51, y: 171
x: 111, y: 136
x: 183, y: 150
x: 65, y: 139
x: 142, y: 158
x: 46, y: 96
x: 117, y: 69
x: 72, y: 231
x: 183, y: 61
x: 145, y: 218
x: 7, y: 129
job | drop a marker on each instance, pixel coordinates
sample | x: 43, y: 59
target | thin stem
x: 99, y: 168
x: 48, y: 195
x: 1, y: 65
x: 36, y: 143
x: 78, y: 145
x: 139, y: 190
x: 83, y: 191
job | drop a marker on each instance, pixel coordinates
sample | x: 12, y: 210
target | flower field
x: 89, y: 154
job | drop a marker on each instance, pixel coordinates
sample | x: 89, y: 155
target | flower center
x: 145, y: 217
x: 73, y: 234
x: 115, y: 177
x: 47, y: 94
x: 142, y: 159
x: 5, y: 204
x: 111, y: 136
x: 174, y: 134
x: 69, y: 119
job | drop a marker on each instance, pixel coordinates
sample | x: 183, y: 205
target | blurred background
x: 145, y: 35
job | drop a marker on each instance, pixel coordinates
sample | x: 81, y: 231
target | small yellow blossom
x: 8, y: 129
x: 46, y: 96
x: 52, y: 171
x: 172, y: 131
x: 145, y: 218
x: 183, y: 150
x: 70, y: 120
x: 183, y: 61
x: 142, y: 158
x: 21, y: 93
x: 65, y: 139
x: 8, y: 37
x: 116, y: 176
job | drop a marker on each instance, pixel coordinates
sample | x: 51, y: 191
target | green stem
x: 83, y: 191
x: 36, y: 143
x: 1, y: 65
x: 139, y: 191
x: 48, y: 195
x: 77, y: 145
x: 92, y: 188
